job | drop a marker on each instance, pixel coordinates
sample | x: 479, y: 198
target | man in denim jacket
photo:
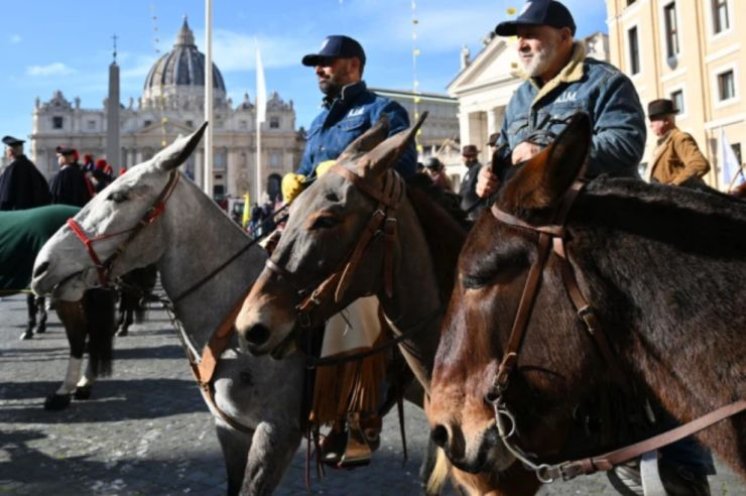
x: 561, y: 81
x: 349, y: 109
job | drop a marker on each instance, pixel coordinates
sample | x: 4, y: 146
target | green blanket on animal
x: 22, y: 234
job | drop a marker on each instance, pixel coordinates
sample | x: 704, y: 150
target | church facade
x: 172, y: 104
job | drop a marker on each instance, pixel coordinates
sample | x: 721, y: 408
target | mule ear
x: 177, y: 152
x: 543, y: 180
x: 366, y: 141
x: 385, y: 155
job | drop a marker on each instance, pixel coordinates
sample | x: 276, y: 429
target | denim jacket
x: 588, y: 85
x: 345, y: 118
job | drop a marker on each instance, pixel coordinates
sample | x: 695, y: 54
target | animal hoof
x: 27, y: 334
x: 122, y: 332
x: 83, y: 392
x: 41, y: 329
x: 56, y: 402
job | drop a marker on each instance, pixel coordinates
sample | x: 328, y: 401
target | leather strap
x: 608, y: 460
x: 204, y: 369
x: 382, y: 221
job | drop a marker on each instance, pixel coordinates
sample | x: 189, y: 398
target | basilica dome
x: 181, y: 71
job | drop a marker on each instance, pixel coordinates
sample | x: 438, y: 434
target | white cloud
x: 15, y: 39
x: 237, y: 52
x: 53, y: 69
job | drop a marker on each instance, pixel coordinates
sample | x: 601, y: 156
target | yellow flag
x: 246, y: 211
x: 511, y: 11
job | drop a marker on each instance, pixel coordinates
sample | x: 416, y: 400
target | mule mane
x: 445, y: 227
x: 705, y: 222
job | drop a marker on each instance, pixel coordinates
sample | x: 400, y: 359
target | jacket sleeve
x: 695, y: 164
x: 619, y: 130
x: 399, y: 121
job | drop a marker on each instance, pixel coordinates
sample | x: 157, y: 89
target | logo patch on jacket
x: 355, y: 111
x: 567, y: 96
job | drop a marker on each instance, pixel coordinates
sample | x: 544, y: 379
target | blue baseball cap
x: 538, y: 13
x: 335, y: 47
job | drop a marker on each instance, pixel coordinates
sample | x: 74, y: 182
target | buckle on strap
x: 587, y: 315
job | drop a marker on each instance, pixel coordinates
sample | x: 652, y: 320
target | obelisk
x: 113, y: 152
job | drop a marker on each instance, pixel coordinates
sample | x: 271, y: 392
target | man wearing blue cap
x: 561, y: 81
x: 349, y: 109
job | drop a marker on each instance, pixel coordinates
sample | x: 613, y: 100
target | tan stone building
x: 172, y: 103
x: 439, y: 134
x: 692, y: 52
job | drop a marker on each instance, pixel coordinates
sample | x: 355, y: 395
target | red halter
x: 155, y: 211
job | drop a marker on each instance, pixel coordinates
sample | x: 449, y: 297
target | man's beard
x: 540, y: 61
x: 330, y: 88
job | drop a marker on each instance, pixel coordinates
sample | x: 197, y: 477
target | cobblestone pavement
x: 146, y: 430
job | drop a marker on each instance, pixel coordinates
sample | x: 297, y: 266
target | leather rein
x: 204, y: 366
x: 553, y: 238
x: 155, y: 211
x: 382, y: 222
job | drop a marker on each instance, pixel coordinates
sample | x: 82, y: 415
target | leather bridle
x: 382, y: 222
x: 203, y: 366
x: 104, y: 268
x: 553, y: 238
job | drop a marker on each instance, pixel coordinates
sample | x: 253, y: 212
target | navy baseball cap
x: 538, y: 13
x: 335, y: 47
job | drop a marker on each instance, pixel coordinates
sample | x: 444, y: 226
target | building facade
x: 691, y: 52
x: 172, y: 104
x: 485, y: 85
x: 439, y: 134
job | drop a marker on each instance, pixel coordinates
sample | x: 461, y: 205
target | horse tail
x: 439, y: 473
x: 99, y: 305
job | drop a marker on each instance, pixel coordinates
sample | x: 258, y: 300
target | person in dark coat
x: 22, y: 186
x: 468, y: 191
x: 70, y: 186
x: 102, y: 174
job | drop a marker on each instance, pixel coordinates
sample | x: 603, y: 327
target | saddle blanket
x: 22, y: 234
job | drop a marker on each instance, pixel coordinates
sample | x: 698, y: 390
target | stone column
x: 199, y: 162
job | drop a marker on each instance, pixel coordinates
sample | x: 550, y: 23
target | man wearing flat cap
x: 348, y: 110
x: 677, y: 159
x: 21, y: 184
x: 561, y: 81
x: 70, y: 185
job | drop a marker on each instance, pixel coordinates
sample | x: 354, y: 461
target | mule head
x: 65, y: 267
x: 325, y: 224
x: 492, y: 271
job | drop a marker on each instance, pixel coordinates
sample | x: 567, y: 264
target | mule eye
x: 325, y: 222
x: 118, y: 196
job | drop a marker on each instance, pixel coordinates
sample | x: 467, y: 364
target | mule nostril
x: 439, y: 435
x: 41, y: 269
x: 257, y: 335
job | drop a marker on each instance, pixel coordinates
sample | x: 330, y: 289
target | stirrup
x: 357, y: 452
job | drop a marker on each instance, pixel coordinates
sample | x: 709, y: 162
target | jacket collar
x: 348, y: 94
x: 571, y: 73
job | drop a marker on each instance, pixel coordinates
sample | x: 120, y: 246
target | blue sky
x: 52, y: 45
